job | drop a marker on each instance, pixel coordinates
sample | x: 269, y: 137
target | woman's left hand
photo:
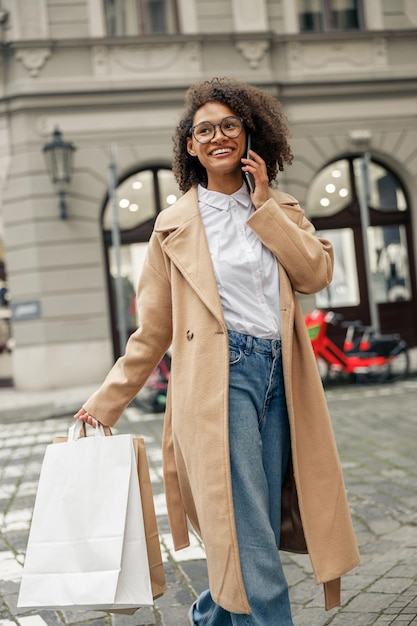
x: 84, y: 416
x: 256, y: 166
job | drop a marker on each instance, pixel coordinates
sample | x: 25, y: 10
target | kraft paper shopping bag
x: 156, y: 566
x: 87, y: 546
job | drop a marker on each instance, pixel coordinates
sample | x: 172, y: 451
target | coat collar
x: 184, y: 241
x: 177, y: 215
x: 186, y: 209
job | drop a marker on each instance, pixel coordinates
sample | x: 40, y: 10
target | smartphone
x: 250, y: 180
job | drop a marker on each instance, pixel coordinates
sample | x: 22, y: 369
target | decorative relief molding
x: 380, y: 52
x: 33, y: 59
x: 162, y: 59
x: 99, y: 57
x: 341, y: 56
x: 360, y: 140
x: 253, y: 51
x: 45, y: 126
x: 144, y: 59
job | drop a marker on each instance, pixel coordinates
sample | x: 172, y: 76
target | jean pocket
x: 235, y: 355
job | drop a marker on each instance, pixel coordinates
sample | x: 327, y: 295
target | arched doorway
x: 141, y: 195
x: 333, y: 205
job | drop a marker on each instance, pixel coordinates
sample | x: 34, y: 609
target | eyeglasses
x: 230, y: 126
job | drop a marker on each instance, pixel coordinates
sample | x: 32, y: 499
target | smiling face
x: 220, y: 156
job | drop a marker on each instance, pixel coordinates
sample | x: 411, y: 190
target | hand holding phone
x: 250, y: 180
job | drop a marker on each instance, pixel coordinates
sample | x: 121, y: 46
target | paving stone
x: 312, y: 617
x: 375, y: 433
x: 350, y: 619
x: 391, y: 585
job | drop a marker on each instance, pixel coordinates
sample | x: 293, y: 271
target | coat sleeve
x: 284, y: 229
x: 145, y: 347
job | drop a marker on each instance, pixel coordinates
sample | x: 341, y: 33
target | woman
x: 244, y: 396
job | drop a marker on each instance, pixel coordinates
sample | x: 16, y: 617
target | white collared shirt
x: 246, y: 271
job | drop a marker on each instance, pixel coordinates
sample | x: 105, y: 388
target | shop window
x: 344, y: 289
x: 141, y: 17
x: 384, y: 191
x: 139, y: 199
x: 389, y: 263
x: 336, y: 187
x: 331, y: 190
x: 335, y: 205
x: 317, y: 16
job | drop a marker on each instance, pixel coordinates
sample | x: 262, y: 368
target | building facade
x: 110, y: 75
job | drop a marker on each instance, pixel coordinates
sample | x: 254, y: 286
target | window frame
x: 390, y: 311
x: 138, y: 234
x: 119, y: 18
x: 326, y: 15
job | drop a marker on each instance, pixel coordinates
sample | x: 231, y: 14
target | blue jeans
x: 259, y: 452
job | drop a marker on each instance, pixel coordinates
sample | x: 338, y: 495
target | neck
x: 224, y: 183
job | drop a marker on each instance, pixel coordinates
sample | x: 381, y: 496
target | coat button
x: 190, y: 335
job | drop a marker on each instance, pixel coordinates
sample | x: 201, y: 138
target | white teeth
x: 221, y: 151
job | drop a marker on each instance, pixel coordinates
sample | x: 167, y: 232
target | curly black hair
x: 263, y: 118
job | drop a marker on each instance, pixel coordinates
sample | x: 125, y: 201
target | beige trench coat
x: 178, y: 303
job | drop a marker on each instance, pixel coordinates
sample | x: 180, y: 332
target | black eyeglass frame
x: 219, y: 124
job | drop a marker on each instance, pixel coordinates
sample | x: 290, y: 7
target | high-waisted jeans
x: 259, y: 452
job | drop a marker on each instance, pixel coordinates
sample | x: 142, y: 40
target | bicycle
x: 366, y: 356
x: 154, y: 394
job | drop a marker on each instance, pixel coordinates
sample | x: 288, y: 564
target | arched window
x: 333, y: 205
x: 140, y: 197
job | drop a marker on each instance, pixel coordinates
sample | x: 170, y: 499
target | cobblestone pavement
x: 376, y: 431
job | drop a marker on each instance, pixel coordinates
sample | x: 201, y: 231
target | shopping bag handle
x: 78, y: 430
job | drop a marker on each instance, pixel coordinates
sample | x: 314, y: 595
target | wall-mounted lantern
x: 59, y: 162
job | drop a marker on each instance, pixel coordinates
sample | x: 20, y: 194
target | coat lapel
x: 186, y: 245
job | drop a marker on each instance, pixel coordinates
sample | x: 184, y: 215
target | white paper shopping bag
x: 87, y: 546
